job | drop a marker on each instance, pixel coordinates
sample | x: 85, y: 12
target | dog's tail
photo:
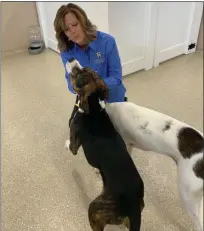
x: 133, y: 210
x: 135, y: 220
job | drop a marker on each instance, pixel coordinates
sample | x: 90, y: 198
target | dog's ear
x: 74, y: 139
x: 104, y: 91
x: 73, y: 83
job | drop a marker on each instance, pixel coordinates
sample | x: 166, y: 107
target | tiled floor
x: 45, y: 188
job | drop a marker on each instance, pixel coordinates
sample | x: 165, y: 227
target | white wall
x: 16, y: 18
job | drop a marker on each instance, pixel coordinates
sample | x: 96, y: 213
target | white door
x: 47, y: 12
x: 178, y: 27
x: 133, y: 24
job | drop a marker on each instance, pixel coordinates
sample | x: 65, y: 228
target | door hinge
x: 191, y: 46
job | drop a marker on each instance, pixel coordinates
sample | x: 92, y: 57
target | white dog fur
x: 149, y: 130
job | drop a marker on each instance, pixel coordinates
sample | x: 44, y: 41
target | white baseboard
x: 133, y: 66
x: 169, y: 53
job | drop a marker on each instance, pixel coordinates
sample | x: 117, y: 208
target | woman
x: 78, y: 38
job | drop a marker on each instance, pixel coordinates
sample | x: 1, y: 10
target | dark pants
x: 76, y: 108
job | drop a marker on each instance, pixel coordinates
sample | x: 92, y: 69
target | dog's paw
x: 67, y: 143
x: 96, y: 170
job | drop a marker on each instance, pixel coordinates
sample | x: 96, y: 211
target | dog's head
x: 85, y: 82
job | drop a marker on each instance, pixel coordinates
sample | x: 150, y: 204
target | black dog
x: 123, y: 188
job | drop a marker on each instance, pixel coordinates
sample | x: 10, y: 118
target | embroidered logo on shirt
x: 99, y: 59
x: 98, y: 54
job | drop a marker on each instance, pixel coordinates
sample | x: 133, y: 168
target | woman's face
x: 74, y: 30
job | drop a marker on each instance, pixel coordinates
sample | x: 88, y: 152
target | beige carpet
x: 45, y: 188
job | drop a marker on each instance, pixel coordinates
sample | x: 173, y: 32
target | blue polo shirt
x: 103, y: 57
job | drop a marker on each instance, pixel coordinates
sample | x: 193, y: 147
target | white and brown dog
x: 150, y: 130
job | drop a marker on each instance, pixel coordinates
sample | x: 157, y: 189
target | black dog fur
x: 105, y: 149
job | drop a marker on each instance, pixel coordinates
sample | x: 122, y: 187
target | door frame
x: 194, y: 26
x: 42, y: 21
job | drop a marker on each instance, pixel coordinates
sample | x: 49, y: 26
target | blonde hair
x: 63, y: 42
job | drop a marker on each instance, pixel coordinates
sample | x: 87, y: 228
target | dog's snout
x: 76, y: 70
x: 80, y: 82
x: 71, y: 64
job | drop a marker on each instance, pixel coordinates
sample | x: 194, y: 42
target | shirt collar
x: 92, y: 44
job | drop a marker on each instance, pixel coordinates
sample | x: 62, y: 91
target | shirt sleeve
x: 65, y: 56
x: 114, y: 73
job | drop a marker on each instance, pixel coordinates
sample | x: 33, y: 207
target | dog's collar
x: 79, y: 109
x: 77, y: 104
x: 102, y: 103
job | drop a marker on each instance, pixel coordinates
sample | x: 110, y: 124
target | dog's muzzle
x: 73, y: 66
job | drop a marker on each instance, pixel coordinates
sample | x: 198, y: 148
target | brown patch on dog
x: 103, y: 211
x: 126, y: 223
x: 167, y: 126
x: 190, y: 142
x: 92, y: 83
x: 74, y: 139
x: 199, y: 168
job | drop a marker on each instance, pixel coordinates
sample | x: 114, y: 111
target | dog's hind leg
x: 66, y: 145
x: 191, y: 192
x: 126, y: 223
x: 96, y: 226
x: 95, y: 215
x: 103, y: 211
x: 96, y: 170
x: 192, y: 206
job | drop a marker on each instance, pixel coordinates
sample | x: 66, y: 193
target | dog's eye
x: 79, y: 76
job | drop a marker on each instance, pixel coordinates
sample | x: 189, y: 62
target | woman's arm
x: 65, y: 56
x: 114, y: 77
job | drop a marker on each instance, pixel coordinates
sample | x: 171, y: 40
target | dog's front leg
x: 74, y: 143
x: 67, y: 143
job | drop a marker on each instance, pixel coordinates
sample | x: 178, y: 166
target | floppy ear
x: 73, y: 83
x: 84, y: 93
x: 74, y: 139
x: 104, y: 91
